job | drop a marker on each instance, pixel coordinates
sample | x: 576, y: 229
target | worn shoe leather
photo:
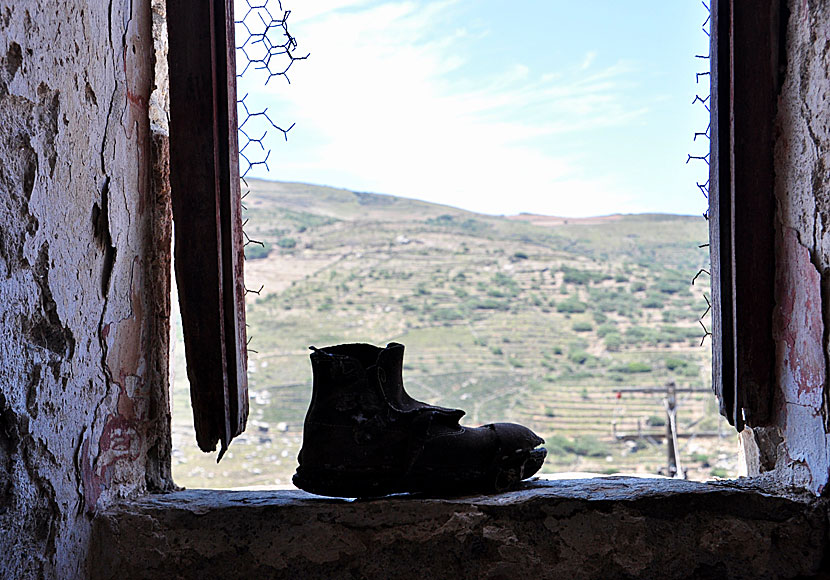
x: 364, y: 436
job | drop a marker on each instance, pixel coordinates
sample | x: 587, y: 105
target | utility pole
x: 672, y: 448
x: 673, y: 464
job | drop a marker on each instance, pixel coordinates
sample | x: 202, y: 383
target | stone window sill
x: 614, y: 527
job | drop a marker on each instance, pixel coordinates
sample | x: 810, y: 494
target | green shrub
x: 515, y: 362
x: 582, y: 326
x: 571, y: 306
x: 489, y: 304
x: 672, y: 286
x: 579, y: 357
x: 447, y: 314
x: 606, y: 329
x: 676, y: 363
x: 587, y: 445
x: 653, y: 301
x: 613, y: 342
x: 287, y: 243
x: 656, y: 421
x: 257, y: 251
x: 633, y: 367
x: 638, y: 286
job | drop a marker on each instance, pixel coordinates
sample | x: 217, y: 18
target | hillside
x: 541, y: 320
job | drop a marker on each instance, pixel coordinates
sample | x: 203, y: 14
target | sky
x: 542, y: 106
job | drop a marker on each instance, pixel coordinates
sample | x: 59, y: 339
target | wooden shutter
x: 745, y: 74
x: 204, y: 179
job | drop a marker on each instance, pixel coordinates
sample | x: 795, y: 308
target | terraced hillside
x: 550, y: 322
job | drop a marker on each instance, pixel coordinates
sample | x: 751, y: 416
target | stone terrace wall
x: 85, y: 229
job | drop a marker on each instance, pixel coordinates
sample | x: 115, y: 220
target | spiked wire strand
x: 264, y: 44
x: 704, y: 138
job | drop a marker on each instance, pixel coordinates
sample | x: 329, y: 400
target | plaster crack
x: 107, y: 128
x: 101, y: 230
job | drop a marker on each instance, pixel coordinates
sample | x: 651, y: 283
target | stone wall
x: 798, y: 446
x: 84, y: 275
x: 609, y: 528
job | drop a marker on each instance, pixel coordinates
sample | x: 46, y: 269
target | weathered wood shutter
x: 204, y: 179
x: 745, y: 51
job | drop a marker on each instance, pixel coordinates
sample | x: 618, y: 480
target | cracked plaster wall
x: 84, y: 208
x: 797, y: 446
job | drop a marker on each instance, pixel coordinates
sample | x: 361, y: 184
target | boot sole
x: 507, y: 475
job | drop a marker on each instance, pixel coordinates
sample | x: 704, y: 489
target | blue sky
x: 544, y: 106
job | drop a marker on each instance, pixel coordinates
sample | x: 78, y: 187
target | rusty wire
x: 264, y: 44
x: 706, y: 136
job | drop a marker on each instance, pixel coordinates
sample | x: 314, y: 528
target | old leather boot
x: 364, y: 436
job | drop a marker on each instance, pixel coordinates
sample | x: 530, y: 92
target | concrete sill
x: 595, y: 528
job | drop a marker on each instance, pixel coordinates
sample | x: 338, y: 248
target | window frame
x: 746, y: 54
x: 205, y: 190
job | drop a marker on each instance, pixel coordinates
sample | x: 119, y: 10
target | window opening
x: 572, y: 326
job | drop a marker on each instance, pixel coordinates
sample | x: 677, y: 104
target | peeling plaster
x: 798, y: 329
x: 802, y: 317
x: 83, y: 379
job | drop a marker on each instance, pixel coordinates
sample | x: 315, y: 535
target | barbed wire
x: 264, y: 44
x: 705, y: 135
x: 265, y: 47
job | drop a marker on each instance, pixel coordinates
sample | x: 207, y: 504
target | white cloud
x: 378, y: 99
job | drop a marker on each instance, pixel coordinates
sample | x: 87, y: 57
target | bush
x: 515, y: 362
x: 613, y: 342
x: 638, y: 286
x: 633, y: 367
x: 656, y: 421
x: 489, y: 304
x: 287, y: 243
x: 676, y: 363
x: 587, y: 445
x: 257, y: 251
x: 582, y: 326
x: 571, y: 306
x: 577, y: 276
x: 653, y: 301
x: 579, y: 357
x: 447, y: 314
x: 599, y: 317
x: 673, y: 286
